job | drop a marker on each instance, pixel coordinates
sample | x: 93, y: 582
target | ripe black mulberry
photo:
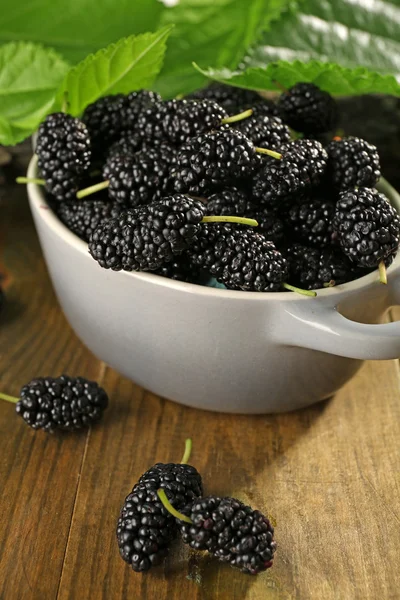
x: 63, y: 402
x: 145, y: 238
x: 231, y: 531
x: 64, y: 153
x: 367, y: 226
x: 145, y: 528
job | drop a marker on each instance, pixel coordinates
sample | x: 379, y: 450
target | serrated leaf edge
x: 226, y: 75
x: 115, y: 46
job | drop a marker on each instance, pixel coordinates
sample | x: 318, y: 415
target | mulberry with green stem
x: 241, y: 259
x: 202, y: 165
x: 214, y: 160
x: 228, y: 529
x: 316, y: 268
x: 145, y: 528
x: 176, y: 121
x: 145, y: 238
x: 63, y: 148
x: 67, y: 403
x: 303, y: 165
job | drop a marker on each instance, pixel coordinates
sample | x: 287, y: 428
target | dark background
x: 376, y: 119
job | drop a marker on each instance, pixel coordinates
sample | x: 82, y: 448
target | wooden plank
x: 38, y: 473
x: 328, y: 476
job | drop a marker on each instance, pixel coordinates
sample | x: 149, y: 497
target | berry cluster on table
x: 167, y: 500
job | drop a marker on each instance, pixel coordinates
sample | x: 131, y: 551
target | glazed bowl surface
x: 216, y: 349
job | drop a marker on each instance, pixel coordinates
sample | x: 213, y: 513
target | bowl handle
x: 325, y: 329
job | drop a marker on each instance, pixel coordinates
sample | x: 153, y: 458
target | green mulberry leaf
x: 130, y: 64
x: 330, y: 77
x: 211, y: 32
x: 29, y: 77
x: 347, y: 32
x: 345, y: 47
x: 76, y: 28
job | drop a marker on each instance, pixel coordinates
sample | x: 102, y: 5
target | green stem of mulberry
x: 97, y: 187
x: 382, y: 272
x: 65, y: 103
x: 239, y: 117
x: 223, y: 219
x: 168, y: 506
x: 30, y: 180
x: 268, y: 152
x: 8, y: 398
x: 188, y: 451
x: 311, y: 293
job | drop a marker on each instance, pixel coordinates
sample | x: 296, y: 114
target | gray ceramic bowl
x: 229, y: 351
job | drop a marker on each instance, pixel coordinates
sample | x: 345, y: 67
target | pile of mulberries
x: 164, y: 166
x: 168, y: 502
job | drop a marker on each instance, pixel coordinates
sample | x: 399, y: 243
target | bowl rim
x: 40, y: 206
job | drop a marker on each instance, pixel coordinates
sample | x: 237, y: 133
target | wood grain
x: 328, y: 476
x: 38, y: 473
x: 325, y: 475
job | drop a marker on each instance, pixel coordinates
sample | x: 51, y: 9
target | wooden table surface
x: 328, y: 476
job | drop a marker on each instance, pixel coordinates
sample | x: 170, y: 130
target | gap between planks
x: 102, y: 372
